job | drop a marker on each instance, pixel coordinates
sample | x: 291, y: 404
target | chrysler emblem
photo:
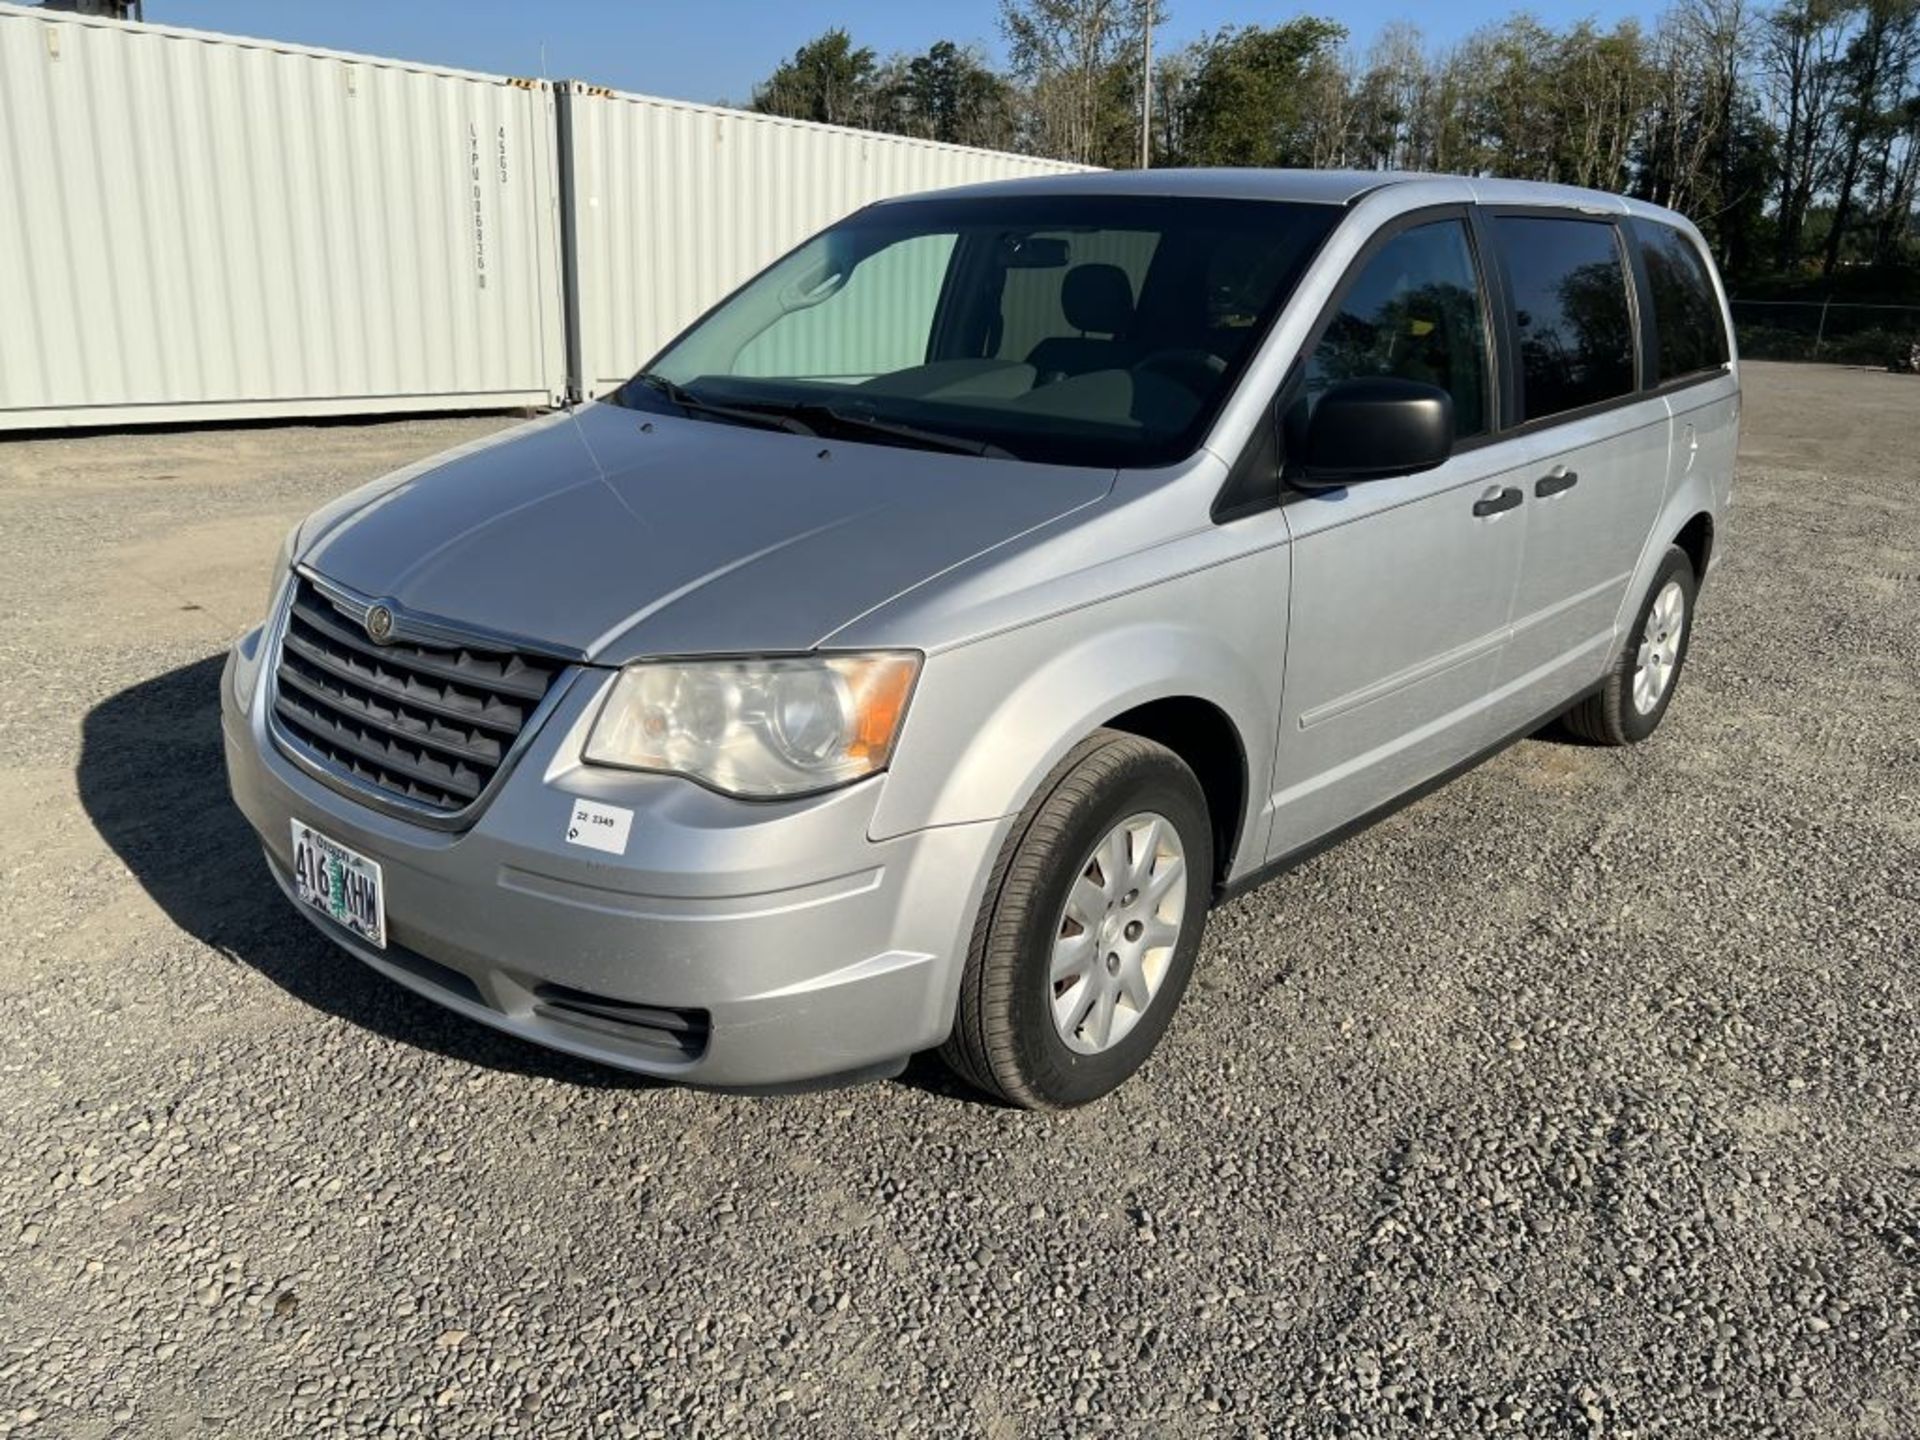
x: 380, y: 624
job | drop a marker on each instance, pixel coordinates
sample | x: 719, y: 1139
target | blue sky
x: 716, y: 49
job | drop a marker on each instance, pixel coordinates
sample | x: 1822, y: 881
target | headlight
x: 757, y: 728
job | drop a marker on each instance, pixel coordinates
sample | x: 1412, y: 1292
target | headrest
x: 1097, y: 297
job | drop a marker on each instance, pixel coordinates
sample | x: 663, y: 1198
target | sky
x: 715, y: 50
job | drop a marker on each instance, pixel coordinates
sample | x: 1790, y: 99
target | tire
x: 1618, y: 713
x: 1006, y: 1038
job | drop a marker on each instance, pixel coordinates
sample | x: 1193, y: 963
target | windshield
x: 1090, y: 330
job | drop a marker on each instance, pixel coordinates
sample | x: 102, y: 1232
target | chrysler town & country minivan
x: 914, y: 652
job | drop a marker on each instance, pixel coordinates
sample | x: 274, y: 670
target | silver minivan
x: 919, y: 647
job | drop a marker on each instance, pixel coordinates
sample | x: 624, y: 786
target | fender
x: 1012, y: 708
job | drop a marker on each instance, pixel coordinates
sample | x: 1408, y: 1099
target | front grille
x: 430, y: 724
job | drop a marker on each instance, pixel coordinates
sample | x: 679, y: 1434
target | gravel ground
x: 1579, y: 1099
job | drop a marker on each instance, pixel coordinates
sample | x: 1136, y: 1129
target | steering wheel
x: 1189, y: 367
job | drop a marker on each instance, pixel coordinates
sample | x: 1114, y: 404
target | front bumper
x: 733, y: 944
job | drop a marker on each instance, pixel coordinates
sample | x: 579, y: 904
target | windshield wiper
x: 786, y: 415
x: 819, y: 410
x: 740, y: 415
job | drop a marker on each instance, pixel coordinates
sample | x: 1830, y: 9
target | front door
x: 1402, y: 588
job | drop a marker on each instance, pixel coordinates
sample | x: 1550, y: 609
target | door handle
x: 1556, y: 482
x: 1493, y: 504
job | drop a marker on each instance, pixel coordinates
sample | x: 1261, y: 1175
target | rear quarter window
x: 1690, y: 333
x: 1571, y: 315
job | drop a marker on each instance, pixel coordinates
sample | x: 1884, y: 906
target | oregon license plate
x: 341, y: 884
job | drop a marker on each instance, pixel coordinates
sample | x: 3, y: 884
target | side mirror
x: 1371, y: 428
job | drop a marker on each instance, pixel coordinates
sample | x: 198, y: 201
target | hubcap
x: 1117, y: 932
x: 1659, y: 647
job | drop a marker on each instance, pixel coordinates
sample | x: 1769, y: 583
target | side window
x: 1690, y: 332
x: 1570, y: 307
x: 1415, y: 313
x: 876, y: 322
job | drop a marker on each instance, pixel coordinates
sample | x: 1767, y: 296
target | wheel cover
x: 1659, y: 647
x: 1114, y: 941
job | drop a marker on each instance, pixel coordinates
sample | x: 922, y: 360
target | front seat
x: 1097, y: 300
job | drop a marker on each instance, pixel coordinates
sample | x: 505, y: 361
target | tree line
x: 1790, y: 135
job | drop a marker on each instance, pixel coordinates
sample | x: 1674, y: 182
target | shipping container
x: 669, y: 206
x: 204, y: 227
x: 207, y: 227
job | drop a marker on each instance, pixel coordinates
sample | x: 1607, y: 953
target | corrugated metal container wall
x: 671, y: 205
x: 200, y: 227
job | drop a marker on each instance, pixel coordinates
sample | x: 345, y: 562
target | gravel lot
x: 1582, y: 1098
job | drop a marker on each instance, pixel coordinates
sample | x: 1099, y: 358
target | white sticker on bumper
x: 599, y: 827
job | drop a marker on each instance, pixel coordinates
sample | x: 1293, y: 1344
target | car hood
x: 618, y: 534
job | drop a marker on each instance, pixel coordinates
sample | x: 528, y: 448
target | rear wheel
x: 1088, y: 930
x: 1639, y: 687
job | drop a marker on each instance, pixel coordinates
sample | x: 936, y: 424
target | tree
x: 1330, y: 129
x: 1722, y: 34
x: 1876, y: 71
x: 1079, y: 61
x: 1604, y: 93
x: 1516, y: 125
x: 1800, y: 47
x: 1247, y: 102
x: 1899, y: 172
x: 1172, y: 75
x: 828, y: 79
x: 1783, y: 133
x: 1388, y: 95
x: 949, y: 94
x: 1679, y: 132
x: 1447, y: 140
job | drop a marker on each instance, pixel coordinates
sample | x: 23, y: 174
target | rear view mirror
x: 1375, y: 427
x: 1033, y: 252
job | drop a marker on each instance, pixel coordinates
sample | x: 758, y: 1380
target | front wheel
x: 1087, y: 933
x: 1639, y: 687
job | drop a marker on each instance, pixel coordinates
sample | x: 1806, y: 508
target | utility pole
x: 1146, y: 92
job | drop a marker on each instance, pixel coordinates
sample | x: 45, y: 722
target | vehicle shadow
x: 153, y: 781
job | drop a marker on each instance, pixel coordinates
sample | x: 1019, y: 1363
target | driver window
x: 1415, y: 314
x: 876, y: 323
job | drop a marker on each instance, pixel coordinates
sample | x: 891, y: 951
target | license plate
x: 341, y: 884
